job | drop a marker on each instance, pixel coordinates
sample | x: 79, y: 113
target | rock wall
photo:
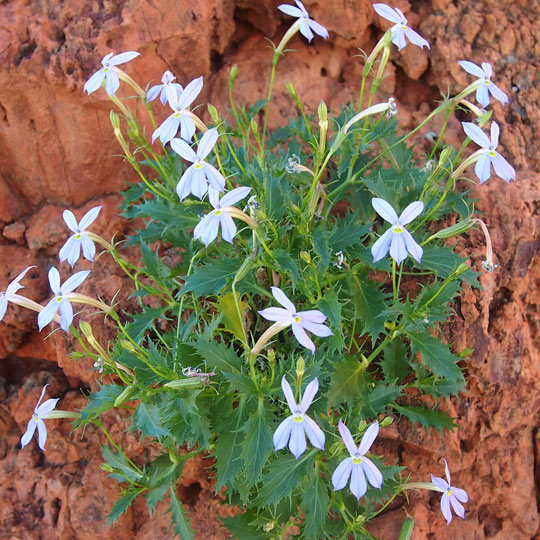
x: 57, y: 151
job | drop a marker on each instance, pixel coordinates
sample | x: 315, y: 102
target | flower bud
x: 115, y: 120
x: 387, y: 421
x: 300, y: 367
x: 125, y: 395
x: 191, y: 383
x: 305, y: 256
x: 214, y: 115
x: 233, y: 73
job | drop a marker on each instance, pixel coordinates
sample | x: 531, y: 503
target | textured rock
x: 57, y: 145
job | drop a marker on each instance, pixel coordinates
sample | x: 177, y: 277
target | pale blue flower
x: 293, y: 429
x: 357, y: 467
x: 485, y: 86
x: 397, y: 239
x: 180, y: 118
x: 400, y: 30
x: 489, y: 155
x: 207, y: 229
x: 60, y: 301
x: 307, y: 25
x: 11, y: 289
x: 71, y: 250
x: 107, y: 72
x: 198, y: 176
x: 40, y: 412
x: 451, y: 496
x: 167, y: 86
x: 311, y: 320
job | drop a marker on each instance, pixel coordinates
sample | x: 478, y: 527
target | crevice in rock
x: 189, y: 495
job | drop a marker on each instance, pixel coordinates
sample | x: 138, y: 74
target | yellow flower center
x: 58, y: 299
x: 298, y: 319
x: 217, y: 212
x: 105, y: 69
x: 78, y: 236
x: 357, y: 460
x: 449, y: 491
x: 198, y: 165
x: 488, y: 82
x: 177, y: 115
x: 298, y: 418
x: 492, y: 153
x: 36, y: 418
x: 404, y: 27
x: 398, y: 229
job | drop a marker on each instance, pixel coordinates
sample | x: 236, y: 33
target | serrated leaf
x: 240, y: 528
x: 118, y: 461
x: 395, y: 364
x: 331, y: 307
x: 147, y: 420
x: 288, y: 264
x: 320, y: 244
x: 211, y: 277
x: 143, y: 321
x: 444, y: 261
x: 101, y: 401
x: 429, y: 418
x: 257, y: 444
x: 436, y: 356
x: 218, y: 356
x: 376, y: 399
x: 315, y: 503
x: 231, y: 321
x: 283, y: 474
x: 346, y: 381
x: 179, y: 522
x: 154, y: 495
x: 152, y: 262
x: 122, y: 505
x: 347, y: 233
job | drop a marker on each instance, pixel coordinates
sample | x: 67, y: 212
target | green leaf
x: 241, y: 529
x: 395, y: 364
x: 369, y: 303
x: 257, y: 444
x: 377, y: 398
x: 288, y: 264
x: 429, y: 418
x: 211, y: 277
x: 147, y: 420
x: 154, y: 495
x: 153, y: 263
x: 444, y: 261
x: 101, y: 401
x: 143, y: 321
x: 320, y: 244
x: 347, y: 233
x: 180, y: 523
x: 226, y: 305
x: 331, y: 307
x: 122, y: 505
x: 283, y: 474
x: 218, y: 356
x: 346, y: 381
x: 315, y: 503
x: 118, y: 461
x: 436, y: 356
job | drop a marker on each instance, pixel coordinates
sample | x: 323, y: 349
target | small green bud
x: 106, y: 467
x: 407, y: 529
x: 243, y: 270
x: 115, y: 120
x: 454, y: 230
x: 191, y: 383
x: 125, y: 395
x: 254, y: 126
x: 127, y: 345
x: 233, y: 73
x: 305, y: 256
x: 214, y: 115
x: 271, y: 355
x: 323, y: 113
x: 85, y: 328
x: 291, y: 90
x: 300, y: 367
x: 387, y: 421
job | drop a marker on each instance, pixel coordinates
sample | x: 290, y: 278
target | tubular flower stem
x: 30, y: 304
x: 123, y: 76
x: 239, y: 214
x: 84, y: 299
x: 374, y: 109
x: 475, y: 110
x: 96, y: 238
x: 276, y: 328
x: 473, y: 158
x: 488, y: 264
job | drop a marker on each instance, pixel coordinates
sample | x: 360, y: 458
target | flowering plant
x: 200, y: 368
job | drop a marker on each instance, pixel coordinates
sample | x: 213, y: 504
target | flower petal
x: 207, y: 229
x: 319, y: 29
x: 199, y: 185
x: 316, y: 328
x: 54, y: 280
x: 387, y: 12
x: 283, y: 433
x: 342, y: 473
x: 190, y: 93
x: 89, y: 218
x: 154, y: 92
x: 411, y: 212
x: 457, y: 506
x: 289, y: 395
x: 487, y: 69
x: 309, y: 394
x: 290, y: 10
x: 398, y: 37
x: 347, y: 438
x: 14, y: 286
x: 482, y: 94
x: 276, y: 314
x: 384, y: 210
x: 46, y: 407
x: 302, y: 8
x: 398, y: 250
x: 235, y: 195
x: 282, y: 299
x: 183, y: 188
x: 445, y: 508
x: 42, y: 433
x: 461, y: 494
x: 187, y: 127
x: 207, y: 142
x: 312, y: 315
x: 94, y: 82
x: 482, y: 167
x: 302, y: 337
x: 495, y: 132
x: 66, y: 314
x: 88, y: 247
x: 74, y: 281
x: 167, y: 130
x: 214, y: 178
x: 122, y: 58
x: 314, y: 432
x: 373, y: 474
x: 497, y: 93
x: 3, y: 306
x: 297, y: 442
x: 476, y: 134
x: 29, y: 433
x: 70, y: 220
x: 305, y: 30
x: 358, y: 481
x: 415, y: 38
x: 46, y: 315
x: 228, y: 228
x: 369, y: 436
x: 112, y: 82
x: 447, y: 472
x: 413, y: 247
x: 440, y: 483
x: 40, y: 397
x: 471, y: 68
x: 380, y: 248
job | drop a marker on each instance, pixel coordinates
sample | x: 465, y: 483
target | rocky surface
x: 57, y: 145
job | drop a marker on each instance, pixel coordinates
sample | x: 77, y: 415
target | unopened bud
x: 233, y: 73
x: 191, y: 383
x: 387, y: 421
x: 125, y: 395
x: 127, y: 345
x: 85, y: 328
x: 305, y: 256
x: 300, y: 367
x: 213, y: 112
x: 115, y: 120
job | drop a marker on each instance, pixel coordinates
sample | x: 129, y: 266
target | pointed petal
x: 495, y: 132
x: 398, y: 249
x: 347, y: 438
x: 40, y: 398
x: 358, y: 481
x: 183, y: 149
x: 457, y: 506
x: 471, y: 68
x: 447, y: 472
x: 314, y: 432
x: 413, y: 247
x: 70, y: 220
x: 309, y: 394
x: 14, y: 286
x: 380, y: 248
x: 199, y: 185
x: 497, y: 93
x: 207, y: 229
x: 276, y: 314
x: 440, y: 482
x: 215, y: 178
x: 483, y: 167
x: 387, y: 12
x: 297, y: 442
x: 319, y: 29
x: 183, y: 188
x: 289, y: 394
x: 416, y: 38
x: 42, y: 433
x: 187, y: 127
x: 46, y: 315
x: 74, y: 281
x: 316, y: 328
x: 487, y: 69
x: 398, y: 37
x: 302, y: 337
x: 213, y: 197
x: 54, y: 280
x: 476, y: 134
x: 369, y: 436
x: 282, y: 299
x: 342, y: 473
x: 235, y: 195
x: 313, y: 316
x: 302, y: 8
x: 373, y: 474
x: 112, y: 82
x: 228, y: 228
x: 89, y: 218
x: 411, y: 212
x: 3, y: 306
x: 283, y: 433
x: 384, y: 210
x: 70, y: 251
x: 290, y: 10
x: 88, y: 246
x: 305, y: 30
x: 154, y: 92
x: 503, y: 168
x: 445, y: 508
x: 461, y: 494
x: 94, y: 82
x: 122, y: 58
x: 29, y: 433
x: 66, y: 315
x: 482, y: 94
x: 190, y: 93
x: 106, y: 59
x: 207, y: 142
x: 167, y: 130
x: 46, y: 407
